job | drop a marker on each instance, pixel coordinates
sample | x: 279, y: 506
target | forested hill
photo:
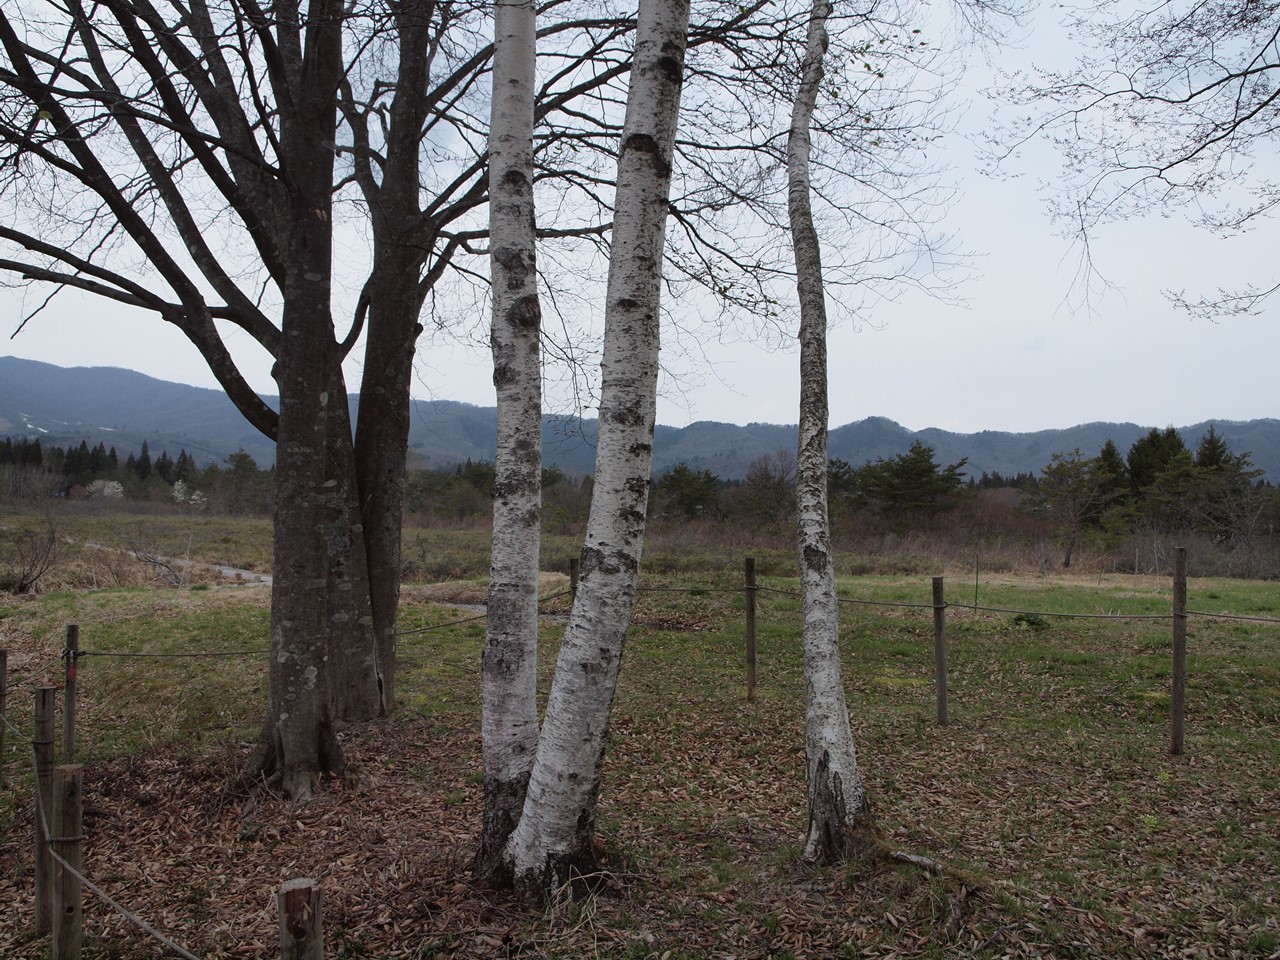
x: 121, y: 408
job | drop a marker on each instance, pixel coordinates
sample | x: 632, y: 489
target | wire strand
x: 165, y: 656
x: 1064, y: 616
x: 47, y: 839
x: 1231, y: 616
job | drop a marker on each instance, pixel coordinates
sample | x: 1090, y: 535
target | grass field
x: 1063, y: 826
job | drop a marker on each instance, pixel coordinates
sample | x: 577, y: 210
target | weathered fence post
x: 300, y: 935
x: 4, y: 699
x: 940, y: 648
x: 69, y: 693
x: 43, y: 748
x: 573, y: 580
x: 1178, y: 701
x: 68, y: 810
x: 750, y: 590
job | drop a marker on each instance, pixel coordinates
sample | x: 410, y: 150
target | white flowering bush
x: 188, y: 496
x: 106, y: 490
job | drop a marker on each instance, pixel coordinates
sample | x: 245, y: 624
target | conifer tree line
x: 34, y: 470
x: 1159, y: 487
x: 1130, y: 506
x: 84, y: 464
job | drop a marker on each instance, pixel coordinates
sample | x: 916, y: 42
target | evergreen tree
x: 164, y: 467
x: 75, y: 467
x: 1112, y: 473
x: 143, y: 466
x: 479, y: 474
x: 1213, y: 452
x: 185, y: 468
x: 842, y: 484
x: 691, y: 493
x: 912, y: 483
x: 1151, y: 455
x: 97, y: 460
x: 241, y: 481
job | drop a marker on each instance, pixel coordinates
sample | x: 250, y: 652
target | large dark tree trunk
x: 394, y: 300
x: 311, y: 500
x: 382, y: 438
x: 357, y: 677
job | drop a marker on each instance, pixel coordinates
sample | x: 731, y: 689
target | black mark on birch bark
x: 644, y: 143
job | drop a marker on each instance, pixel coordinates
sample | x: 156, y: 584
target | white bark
x: 837, y: 796
x: 510, y: 724
x: 554, y: 840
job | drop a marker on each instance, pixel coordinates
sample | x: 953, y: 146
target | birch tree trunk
x: 553, y: 843
x: 838, y: 807
x: 510, y: 724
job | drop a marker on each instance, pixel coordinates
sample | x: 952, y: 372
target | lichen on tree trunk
x: 510, y: 678
x: 554, y: 841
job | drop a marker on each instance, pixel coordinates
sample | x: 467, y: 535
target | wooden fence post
x: 300, y: 935
x: 573, y: 580
x: 43, y: 807
x: 69, y: 693
x: 1178, y: 701
x: 4, y: 699
x: 751, y: 588
x: 940, y: 648
x: 68, y: 810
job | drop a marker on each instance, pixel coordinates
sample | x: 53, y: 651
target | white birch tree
x: 839, y: 812
x: 510, y: 723
x: 553, y: 843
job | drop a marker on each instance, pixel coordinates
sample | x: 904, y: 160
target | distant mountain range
x: 122, y: 408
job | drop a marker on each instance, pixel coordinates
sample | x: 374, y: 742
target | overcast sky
x: 1021, y: 354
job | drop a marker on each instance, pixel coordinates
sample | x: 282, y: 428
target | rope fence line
x: 12, y: 727
x: 441, y: 626
x: 794, y: 594
x: 883, y: 603
x: 1232, y: 616
x: 705, y: 590
x: 165, y: 656
x: 1063, y: 616
x: 699, y: 590
x: 478, y: 616
x: 48, y: 840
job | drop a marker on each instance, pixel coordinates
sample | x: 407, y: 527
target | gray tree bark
x: 838, y: 807
x: 553, y: 843
x: 510, y: 724
x: 310, y: 496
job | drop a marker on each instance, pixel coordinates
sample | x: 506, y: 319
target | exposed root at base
x: 865, y: 845
x: 924, y: 863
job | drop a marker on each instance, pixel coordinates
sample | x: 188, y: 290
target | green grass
x: 1050, y: 798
